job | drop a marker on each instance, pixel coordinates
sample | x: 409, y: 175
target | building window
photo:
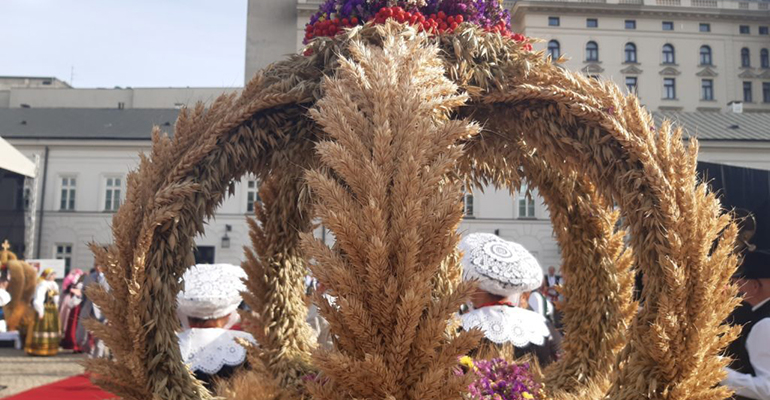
x: 554, y: 21
x: 745, y: 58
x: 707, y: 89
x: 526, y: 203
x: 64, y: 252
x: 630, y: 24
x: 668, y: 26
x: 252, y: 195
x: 112, y: 194
x: 764, y: 58
x: 67, y: 194
x: 630, y: 53
x: 554, y: 49
x: 745, y: 30
x: 592, y: 23
x: 763, y: 30
x: 468, y: 204
x: 705, y: 55
x: 669, y: 88
x: 747, y: 95
x: 704, y: 27
x: 631, y: 84
x: 668, y: 54
x: 592, y: 51
x: 766, y: 92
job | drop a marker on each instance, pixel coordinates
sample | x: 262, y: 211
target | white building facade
x: 83, y: 168
x: 677, y: 55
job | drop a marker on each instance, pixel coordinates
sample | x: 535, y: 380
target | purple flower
x: 499, y: 380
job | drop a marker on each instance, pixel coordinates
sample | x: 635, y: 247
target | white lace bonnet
x: 501, y: 267
x: 211, y: 290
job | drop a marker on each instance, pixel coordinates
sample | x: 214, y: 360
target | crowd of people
x: 514, y: 305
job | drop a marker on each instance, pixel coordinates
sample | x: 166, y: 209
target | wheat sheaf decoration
x: 392, y: 108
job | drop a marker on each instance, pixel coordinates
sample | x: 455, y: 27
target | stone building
x: 676, y: 55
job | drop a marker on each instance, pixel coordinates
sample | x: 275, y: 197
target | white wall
x: 724, y: 39
x: 91, y: 161
x: 270, y: 33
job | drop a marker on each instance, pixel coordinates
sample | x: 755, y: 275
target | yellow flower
x: 466, y: 361
x: 527, y: 396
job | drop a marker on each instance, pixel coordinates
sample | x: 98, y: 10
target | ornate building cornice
x: 707, y: 72
x: 670, y: 71
x: 592, y: 68
x: 631, y: 70
x: 678, y: 12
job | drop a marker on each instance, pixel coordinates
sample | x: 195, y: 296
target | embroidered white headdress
x: 501, y: 267
x: 506, y: 269
x: 211, y: 291
x: 209, y: 349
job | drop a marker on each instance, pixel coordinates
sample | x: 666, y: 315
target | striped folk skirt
x: 43, y: 339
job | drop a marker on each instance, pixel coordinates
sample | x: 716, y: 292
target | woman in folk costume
x: 43, y: 339
x: 208, y: 309
x: 317, y: 322
x: 69, y: 310
x: 504, y: 271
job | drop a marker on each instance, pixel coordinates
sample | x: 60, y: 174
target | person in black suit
x: 749, y: 371
x: 551, y: 281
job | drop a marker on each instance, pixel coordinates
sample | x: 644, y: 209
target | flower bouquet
x: 498, y: 379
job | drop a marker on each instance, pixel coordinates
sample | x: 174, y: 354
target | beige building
x: 275, y: 29
x: 677, y: 55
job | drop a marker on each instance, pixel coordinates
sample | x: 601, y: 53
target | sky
x: 126, y: 43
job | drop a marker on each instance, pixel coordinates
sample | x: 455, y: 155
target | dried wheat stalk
x: 275, y: 284
x: 581, y: 142
x: 394, y: 213
x: 675, y: 339
x: 596, y: 315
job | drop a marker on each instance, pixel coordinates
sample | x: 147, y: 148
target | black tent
x: 12, y: 209
x: 742, y: 188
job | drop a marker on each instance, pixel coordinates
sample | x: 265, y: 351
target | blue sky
x: 137, y: 43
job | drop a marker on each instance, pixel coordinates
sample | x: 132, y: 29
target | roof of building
x: 720, y: 125
x: 84, y: 123
x: 136, y: 124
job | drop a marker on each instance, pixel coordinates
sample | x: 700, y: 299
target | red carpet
x: 77, y: 387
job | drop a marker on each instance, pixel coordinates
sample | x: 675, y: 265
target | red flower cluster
x: 329, y: 27
x: 435, y: 24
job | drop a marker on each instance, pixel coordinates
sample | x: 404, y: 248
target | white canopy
x: 12, y: 160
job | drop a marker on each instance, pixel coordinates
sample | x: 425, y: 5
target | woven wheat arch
x: 376, y: 133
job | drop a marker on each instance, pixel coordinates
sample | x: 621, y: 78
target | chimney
x: 736, y: 106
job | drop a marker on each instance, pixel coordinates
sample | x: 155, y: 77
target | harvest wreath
x: 375, y: 130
